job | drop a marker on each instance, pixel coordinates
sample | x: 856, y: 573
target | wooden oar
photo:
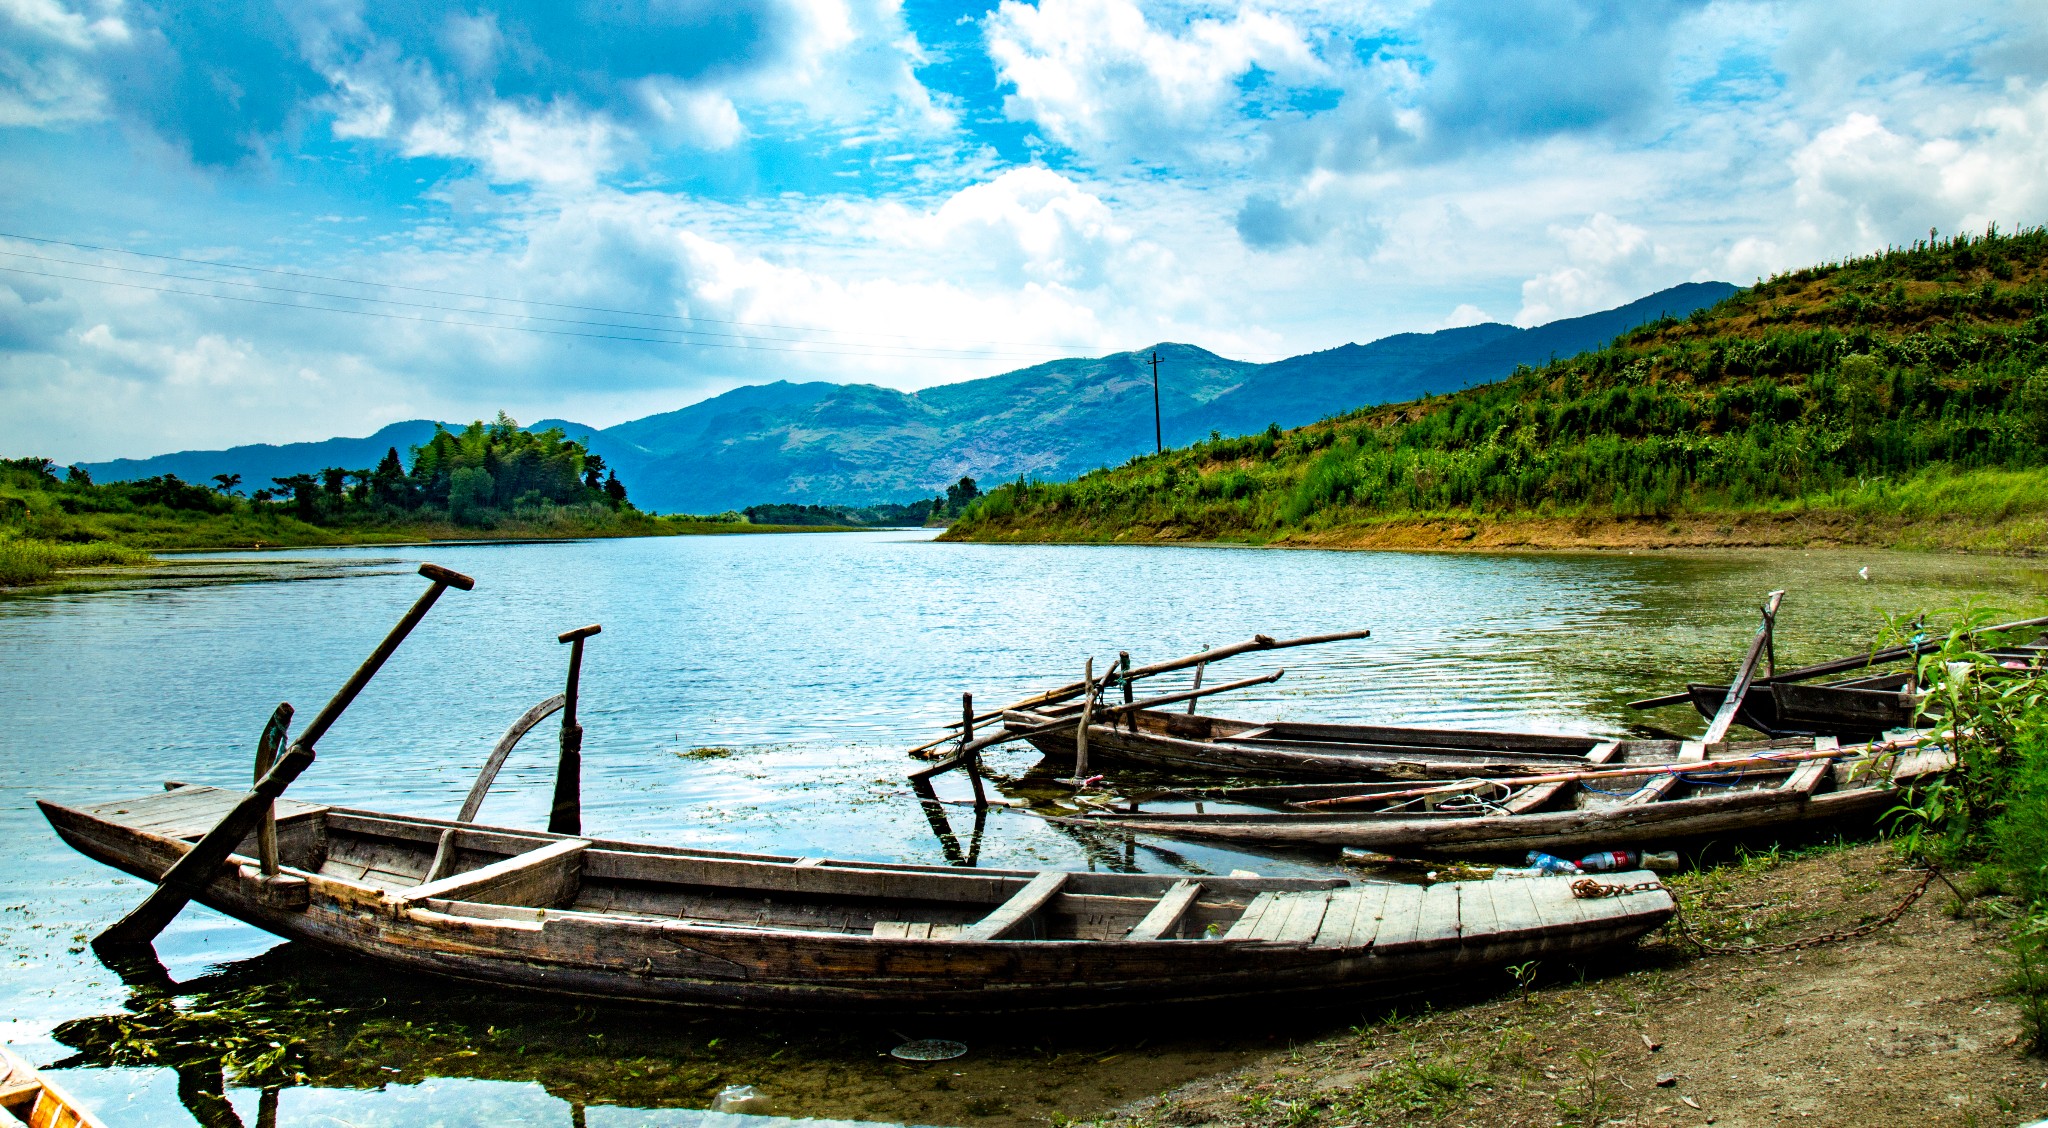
x: 1681, y: 767
x: 1073, y: 689
x: 1738, y: 690
x: 189, y: 874
x: 1009, y: 734
x: 1844, y: 665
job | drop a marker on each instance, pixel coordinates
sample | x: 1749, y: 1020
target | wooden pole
x: 266, y: 754
x: 1054, y: 696
x: 1738, y: 690
x: 1198, y: 681
x: 1009, y: 734
x: 566, y: 814
x: 1844, y: 665
x: 1087, y: 711
x: 201, y: 864
x: 973, y: 758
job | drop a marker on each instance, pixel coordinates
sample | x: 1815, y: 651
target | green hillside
x: 1900, y: 398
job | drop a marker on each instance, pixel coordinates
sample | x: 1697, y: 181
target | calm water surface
x: 805, y: 664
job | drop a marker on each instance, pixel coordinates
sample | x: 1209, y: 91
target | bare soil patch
x: 1907, y: 1026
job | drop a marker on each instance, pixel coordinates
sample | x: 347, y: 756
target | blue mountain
x: 860, y: 443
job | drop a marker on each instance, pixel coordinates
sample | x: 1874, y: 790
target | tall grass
x: 35, y: 561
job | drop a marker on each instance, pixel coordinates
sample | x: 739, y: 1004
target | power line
x: 476, y: 325
x: 492, y: 298
x: 941, y: 353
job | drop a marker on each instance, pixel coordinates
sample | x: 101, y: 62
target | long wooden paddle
x: 189, y: 874
x: 1738, y: 690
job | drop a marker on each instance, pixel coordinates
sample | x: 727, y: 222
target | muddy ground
x: 1906, y: 1026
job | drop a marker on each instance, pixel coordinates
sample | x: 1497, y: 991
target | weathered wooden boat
x: 1178, y: 741
x: 622, y: 920
x: 1694, y: 791
x: 36, y: 1100
x: 1856, y: 710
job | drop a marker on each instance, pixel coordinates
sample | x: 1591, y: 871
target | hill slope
x: 861, y: 444
x: 1898, y: 398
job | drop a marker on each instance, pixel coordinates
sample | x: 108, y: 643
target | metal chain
x: 1588, y: 888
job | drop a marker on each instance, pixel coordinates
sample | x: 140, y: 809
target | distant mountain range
x: 861, y: 444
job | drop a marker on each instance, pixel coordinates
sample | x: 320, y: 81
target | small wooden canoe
x: 1192, y: 742
x: 1610, y: 812
x: 624, y: 920
x: 1854, y: 711
x: 37, y: 1101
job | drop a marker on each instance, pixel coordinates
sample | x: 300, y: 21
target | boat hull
x: 646, y: 957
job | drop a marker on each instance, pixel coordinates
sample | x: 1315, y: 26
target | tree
x: 226, y: 483
x: 332, y: 479
x: 960, y: 493
x: 593, y: 471
x: 615, y: 490
x: 388, y: 484
x: 77, y: 476
x: 471, y: 492
x: 304, y: 491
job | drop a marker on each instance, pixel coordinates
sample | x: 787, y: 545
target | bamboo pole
x: 974, y: 758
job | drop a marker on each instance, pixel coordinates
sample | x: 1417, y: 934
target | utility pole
x: 1158, y: 441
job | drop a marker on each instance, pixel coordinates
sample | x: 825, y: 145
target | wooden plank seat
x: 1165, y: 916
x: 540, y: 878
x: 1013, y: 913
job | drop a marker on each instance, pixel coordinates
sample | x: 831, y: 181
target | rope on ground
x: 1586, y: 887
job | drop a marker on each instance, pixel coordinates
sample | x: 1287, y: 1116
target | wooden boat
x: 631, y: 921
x: 1162, y: 738
x: 1857, y: 710
x: 1564, y: 817
x: 37, y: 1101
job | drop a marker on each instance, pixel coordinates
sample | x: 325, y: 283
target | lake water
x: 805, y: 664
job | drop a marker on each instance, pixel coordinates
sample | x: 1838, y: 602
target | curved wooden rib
x: 506, y: 743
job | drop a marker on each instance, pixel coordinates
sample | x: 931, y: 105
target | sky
x: 243, y: 221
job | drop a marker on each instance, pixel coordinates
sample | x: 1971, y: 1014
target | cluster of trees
x: 875, y: 516
x: 1930, y: 355
x: 474, y: 477
x: 471, y: 477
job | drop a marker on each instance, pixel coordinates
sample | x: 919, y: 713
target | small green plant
x: 1524, y: 973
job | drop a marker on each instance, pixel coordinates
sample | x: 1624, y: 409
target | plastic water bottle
x: 1607, y: 861
x: 1546, y: 863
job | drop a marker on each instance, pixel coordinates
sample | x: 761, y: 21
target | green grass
x: 35, y: 561
x: 1903, y: 396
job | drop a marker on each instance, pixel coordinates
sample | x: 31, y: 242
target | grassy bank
x: 1899, y: 399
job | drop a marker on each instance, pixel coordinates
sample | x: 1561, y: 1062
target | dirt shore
x: 1904, y: 1026
x: 2021, y: 536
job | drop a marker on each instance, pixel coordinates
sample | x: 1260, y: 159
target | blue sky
x: 914, y: 193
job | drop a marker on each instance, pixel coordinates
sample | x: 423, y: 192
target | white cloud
x: 1098, y: 76
x: 1607, y: 262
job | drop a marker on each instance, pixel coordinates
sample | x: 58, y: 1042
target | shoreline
x: 1467, y: 533
x: 1887, y: 1028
